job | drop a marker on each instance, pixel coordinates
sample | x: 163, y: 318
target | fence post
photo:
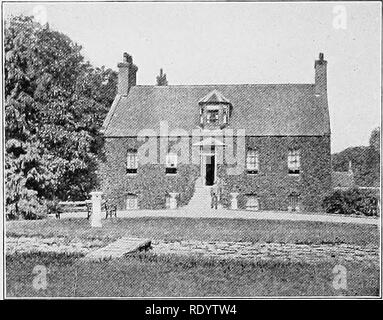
x: 95, y: 218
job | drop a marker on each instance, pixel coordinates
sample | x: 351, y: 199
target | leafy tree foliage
x: 353, y: 201
x: 375, y: 139
x: 55, y: 103
x: 365, y: 161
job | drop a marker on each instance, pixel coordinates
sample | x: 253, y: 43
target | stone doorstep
x: 118, y: 249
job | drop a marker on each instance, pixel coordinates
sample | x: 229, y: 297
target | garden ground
x: 150, y: 274
x: 203, y: 229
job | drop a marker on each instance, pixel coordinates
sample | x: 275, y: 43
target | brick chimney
x: 320, y: 75
x: 126, y: 74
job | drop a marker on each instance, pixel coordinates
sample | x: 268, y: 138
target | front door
x: 210, y: 167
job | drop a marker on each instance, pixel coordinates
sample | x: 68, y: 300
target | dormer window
x: 215, y: 110
x: 212, y: 116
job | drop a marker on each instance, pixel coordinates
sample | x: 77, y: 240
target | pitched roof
x: 343, y: 180
x: 260, y: 109
x: 214, y: 97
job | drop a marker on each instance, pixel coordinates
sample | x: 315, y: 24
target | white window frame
x: 252, y: 203
x: 252, y: 161
x: 132, y: 161
x: 294, y: 161
x: 172, y: 162
x: 209, y: 118
x: 293, y: 198
x: 131, y: 202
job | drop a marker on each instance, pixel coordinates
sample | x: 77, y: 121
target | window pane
x: 171, y: 163
x: 171, y: 160
x: 252, y: 161
x: 132, y: 202
x: 212, y: 116
x: 293, y: 161
x: 131, y: 160
x: 293, y: 202
x: 252, y: 203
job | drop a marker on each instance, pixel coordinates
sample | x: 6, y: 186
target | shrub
x: 53, y: 207
x: 352, y: 201
x: 28, y: 207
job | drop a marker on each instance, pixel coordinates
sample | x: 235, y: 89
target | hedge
x: 352, y: 201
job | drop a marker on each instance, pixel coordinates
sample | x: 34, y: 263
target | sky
x: 238, y: 43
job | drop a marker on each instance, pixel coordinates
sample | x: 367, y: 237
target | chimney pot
x: 320, y: 76
x: 126, y: 74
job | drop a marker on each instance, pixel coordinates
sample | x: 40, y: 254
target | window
x: 293, y: 204
x: 171, y: 163
x: 212, y: 116
x: 131, y: 161
x: 293, y: 161
x: 252, y: 161
x: 252, y: 202
x: 131, y: 202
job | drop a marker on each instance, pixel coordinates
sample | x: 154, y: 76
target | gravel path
x: 239, y: 214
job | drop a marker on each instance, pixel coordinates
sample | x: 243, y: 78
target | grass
x: 169, y: 276
x: 150, y: 275
x: 305, y: 232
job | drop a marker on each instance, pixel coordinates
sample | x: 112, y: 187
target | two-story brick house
x: 267, y: 144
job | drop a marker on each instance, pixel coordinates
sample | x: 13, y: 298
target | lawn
x: 146, y: 274
x: 305, y: 232
x: 166, y: 276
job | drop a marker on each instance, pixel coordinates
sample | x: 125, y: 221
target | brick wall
x: 150, y: 184
x: 272, y: 184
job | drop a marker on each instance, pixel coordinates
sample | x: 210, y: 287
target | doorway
x: 210, y: 170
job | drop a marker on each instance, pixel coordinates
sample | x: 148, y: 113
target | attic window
x: 212, y: 116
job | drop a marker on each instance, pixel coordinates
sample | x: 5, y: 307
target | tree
x: 373, y: 157
x: 55, y: 103
x: 365, y: 161
x: 375, y: 139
